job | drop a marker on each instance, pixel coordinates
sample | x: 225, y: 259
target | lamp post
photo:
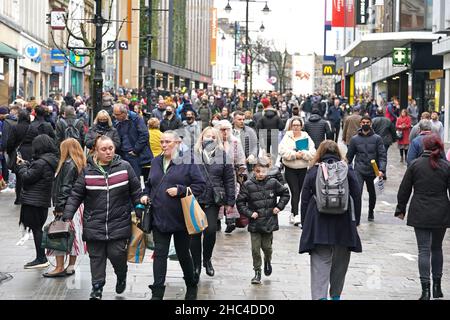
x: 97, y: 91
x: 266, y: 11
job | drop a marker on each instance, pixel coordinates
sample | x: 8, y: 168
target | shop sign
x: 76, y: 60
x: 361, y: 11
x: 401, y: 57
x: 328, y: 70
x: 32, y: 51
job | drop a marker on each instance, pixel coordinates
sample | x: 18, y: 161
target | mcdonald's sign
x: 328, y: 69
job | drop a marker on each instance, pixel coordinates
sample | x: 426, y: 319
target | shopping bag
x: 194, y: 216
x: 149, y: 241
x: 137, y: 246
x: 379, y: 185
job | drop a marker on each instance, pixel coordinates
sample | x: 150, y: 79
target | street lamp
x: 266, y: 11
x: 262, y: 28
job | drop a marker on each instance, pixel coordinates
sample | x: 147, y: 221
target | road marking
x: 408, y: 256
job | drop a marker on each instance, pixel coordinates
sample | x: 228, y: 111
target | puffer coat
x: 261, y: 197
x: 106, y: 200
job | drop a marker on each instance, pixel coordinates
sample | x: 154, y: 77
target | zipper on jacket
x: 107, y: 204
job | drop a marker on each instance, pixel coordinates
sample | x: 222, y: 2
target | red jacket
x: 407, y: 121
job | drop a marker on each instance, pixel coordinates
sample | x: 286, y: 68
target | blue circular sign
x: 32, y: 51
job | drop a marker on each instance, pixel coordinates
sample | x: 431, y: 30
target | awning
x: 9, y: 52
x: 378, y: 45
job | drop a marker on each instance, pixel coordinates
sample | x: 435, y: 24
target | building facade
x: 181, y: 46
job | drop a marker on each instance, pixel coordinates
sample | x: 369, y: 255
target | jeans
x: 209, y: 237
x: 261, y: 241
x: 295, y: 179
x: 100, y: 251
x: 370, y: 189
x: 429, y: 242
x: 182, y: 242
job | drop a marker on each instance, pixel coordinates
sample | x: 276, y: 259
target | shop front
x: 8, y: 70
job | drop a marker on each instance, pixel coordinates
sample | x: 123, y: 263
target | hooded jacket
x: 37, y: 180
x: 318, y: 129
x: 383, y: 127
x: 97, y: 130
x: 363, y: 149
x: 106, y: 198
x: 261, y: 197
x: 270, y: 120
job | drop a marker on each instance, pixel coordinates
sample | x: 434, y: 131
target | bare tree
x: 279, y: 61
x: 79, y: 31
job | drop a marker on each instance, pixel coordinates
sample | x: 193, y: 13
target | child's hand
x: 276, y: 211
x: 255, y: 215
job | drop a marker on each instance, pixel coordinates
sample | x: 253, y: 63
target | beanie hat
x: 4, y: 110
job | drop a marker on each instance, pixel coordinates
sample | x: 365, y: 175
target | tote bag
x: 194, y: 216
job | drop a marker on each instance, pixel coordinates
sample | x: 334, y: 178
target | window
x: 414, y: 15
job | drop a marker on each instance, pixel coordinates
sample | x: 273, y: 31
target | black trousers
x: 295, y: 179
x: 370, y: 189
x: 336, y: 127
x: 209, y: 237
x: 182, y: 242
x: 100, y: 251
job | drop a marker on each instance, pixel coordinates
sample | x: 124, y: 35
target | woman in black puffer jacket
x: 106, y: 186
x: 21, y: 138
x: 102, y: 127
x: 220, y: 191
x: 37, y: 178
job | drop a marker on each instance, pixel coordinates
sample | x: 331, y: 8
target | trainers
x: 96, y: 293
x: 257, y: 278
x: 291, y: 218
x: 297, y: 220
x: 267, y: 268
x: 37, y: 263
x: 121, y: 285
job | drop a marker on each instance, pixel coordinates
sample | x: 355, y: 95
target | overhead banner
x: 349, y: 13
x: 362, y: 14
x: 338, y: 17
x: 213, y: 36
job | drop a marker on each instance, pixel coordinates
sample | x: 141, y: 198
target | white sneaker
x: 297, y: 220
x: 291, y: 218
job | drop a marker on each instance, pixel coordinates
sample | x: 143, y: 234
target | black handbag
x: 219, y: 196
x: 146, y: 221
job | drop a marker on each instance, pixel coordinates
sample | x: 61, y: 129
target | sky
x: 297, y: 25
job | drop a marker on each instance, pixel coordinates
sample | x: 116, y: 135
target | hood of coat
x: 315, y: 118
x: 330, y: 158
x: 50, y: 158
x: 270, y: 113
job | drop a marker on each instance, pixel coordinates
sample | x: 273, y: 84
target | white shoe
x: 291, y: 218
x: 297, y: 220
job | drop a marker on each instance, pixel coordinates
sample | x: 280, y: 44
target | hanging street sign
x: 57, y: 19
x: 401, y: 57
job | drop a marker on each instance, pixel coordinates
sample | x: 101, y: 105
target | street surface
x: 385, y: 270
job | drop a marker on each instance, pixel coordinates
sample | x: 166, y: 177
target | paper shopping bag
x: 194, y: 216
x: 137, y: 245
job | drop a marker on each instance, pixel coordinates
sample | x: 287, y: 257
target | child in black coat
x: 257, y: 200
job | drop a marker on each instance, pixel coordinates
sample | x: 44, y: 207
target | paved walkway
x: 387, y: 268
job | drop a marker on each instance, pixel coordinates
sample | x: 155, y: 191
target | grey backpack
x: 332, y: 191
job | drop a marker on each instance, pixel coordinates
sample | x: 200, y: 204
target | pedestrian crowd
x: 242, y: 161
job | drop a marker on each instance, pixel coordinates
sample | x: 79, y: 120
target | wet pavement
x: 385, y: 270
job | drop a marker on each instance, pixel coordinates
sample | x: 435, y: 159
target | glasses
x: 117, y: 114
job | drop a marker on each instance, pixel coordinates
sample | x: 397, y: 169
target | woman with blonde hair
x: 329, y: 238
x: 102, y: 126
x: 220, y: 191
x: 154, y: 135
x: 71, y: 164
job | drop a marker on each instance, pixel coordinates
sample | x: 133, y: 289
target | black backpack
x: 71, y: 130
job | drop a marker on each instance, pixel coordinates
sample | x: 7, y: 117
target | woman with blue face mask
x: 220, y: 191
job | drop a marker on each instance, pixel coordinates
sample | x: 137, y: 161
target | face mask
x: 247, y: 122
x: 295, y: 112
x: 103, y: 124
x: 189, y: 119
x: 169, y: 113
x: 209, y: 144
x: 366, y: 127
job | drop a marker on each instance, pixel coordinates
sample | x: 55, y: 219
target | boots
x: 191, y: 290
x: 209, y: 268
x: 257, y: 278
x: 437, y: 292
x: 157, y: 292
x: 97, y: 291
x: 425, y: 291
x: 121, y: 284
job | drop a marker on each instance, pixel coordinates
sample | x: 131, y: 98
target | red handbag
x: 242, y: 221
